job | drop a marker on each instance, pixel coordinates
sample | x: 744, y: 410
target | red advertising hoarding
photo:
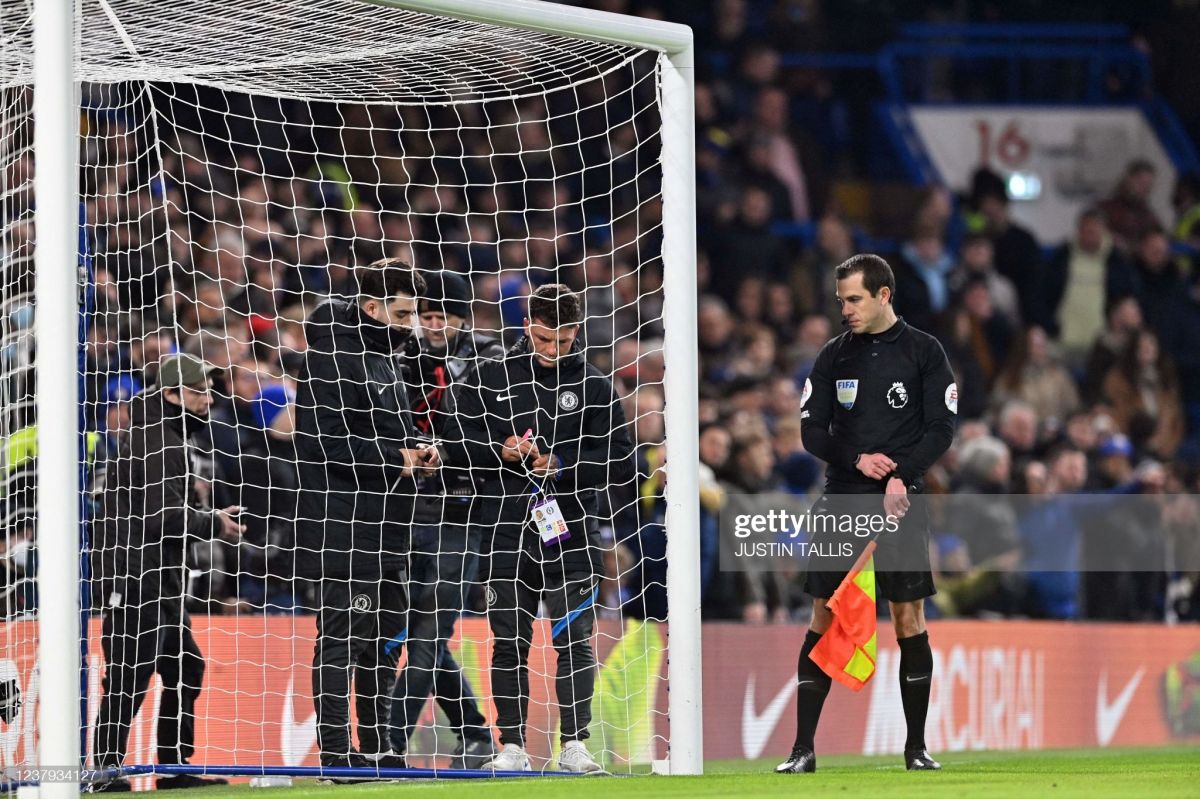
x: 997, y: 685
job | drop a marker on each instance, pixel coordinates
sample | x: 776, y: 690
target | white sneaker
x: 511, y: 758
x: 576, y: 758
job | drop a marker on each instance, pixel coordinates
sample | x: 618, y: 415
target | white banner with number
x: 1076, y: 154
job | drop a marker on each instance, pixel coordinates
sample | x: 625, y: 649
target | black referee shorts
x: 902, y: 571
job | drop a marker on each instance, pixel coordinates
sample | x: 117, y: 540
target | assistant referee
x: 879, y: 408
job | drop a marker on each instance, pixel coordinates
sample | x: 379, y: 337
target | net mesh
x: 238, y: 162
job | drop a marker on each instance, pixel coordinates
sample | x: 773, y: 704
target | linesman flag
x: 846, y: 652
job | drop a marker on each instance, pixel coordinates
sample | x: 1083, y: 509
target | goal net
x: 239, y: 161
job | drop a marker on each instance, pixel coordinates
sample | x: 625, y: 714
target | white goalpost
x: 201, y: 178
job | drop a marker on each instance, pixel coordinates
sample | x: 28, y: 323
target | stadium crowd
x: 1076, y: 359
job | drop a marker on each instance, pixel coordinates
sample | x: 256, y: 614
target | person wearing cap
x: 446, y: 533
x: 148, y: 513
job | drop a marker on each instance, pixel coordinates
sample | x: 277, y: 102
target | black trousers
x: 360, y: 626
x: 138, y: 642
x: 513, y: 594
x: 442, y: 566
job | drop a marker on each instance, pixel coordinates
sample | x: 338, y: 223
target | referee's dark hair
x: 555, y: 305
x: 876, y: 273
x: 387, y: 277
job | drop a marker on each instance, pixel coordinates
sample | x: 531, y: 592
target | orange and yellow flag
x: 846, y: 652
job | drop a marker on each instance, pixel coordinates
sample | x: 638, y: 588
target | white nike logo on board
x: 756, y: 728
x: 296, y: 740
x: 1109, y: 714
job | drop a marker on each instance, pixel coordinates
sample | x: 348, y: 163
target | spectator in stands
x: 758, y: 352
x: 1161, y: 289
x: 1082, y: 432
x: 813, y: 332
x: 1034, y: 374
x: 970, y: 357
x: 747, y: 247
x: 715, y: 446
x: 717, y: 352
x: 937, y: 208
x: 759, y: 170
x: 749, y: 303
x: 992, y: 328
x: 1128, y: 210
x: 1186, y: 201
x: 1050, y: 536
x: 780, y: 313
x: 148, y: 350
x: 814, y: 281
x: 240, y: 463
x: 728, y: 29
x: 797, y: 471
x: 1017, y: 426
x: 980, y: 515
x: 772, y: 121
x: 1143, y: 391
x: 923, y: 269
x: 977, y: 261
x: 1123, y: 318
x: 762, y: 591
x: 1083, y: 277
x: 116, y: 412
x: 1017, y: 254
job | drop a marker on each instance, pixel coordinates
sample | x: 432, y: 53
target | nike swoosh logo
x: 1109, y: 714
x: 504, y: 396
x: 296, y: 740
x: 756, y: 727
x: 910, y: 678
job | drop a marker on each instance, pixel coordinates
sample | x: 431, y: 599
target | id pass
x: 548, y: 519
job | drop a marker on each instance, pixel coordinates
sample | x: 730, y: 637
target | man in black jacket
x: 148, y: 515
x: 878, y: 407
x: 446, y: 535
x: 548, y: 431
x: 358, y: 453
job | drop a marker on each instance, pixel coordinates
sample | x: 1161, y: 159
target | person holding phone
x: 360, y: 456
x: 149, y: 514
x: 547, y: 433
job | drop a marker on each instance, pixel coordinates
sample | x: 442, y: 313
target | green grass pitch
x: 1064, y: 774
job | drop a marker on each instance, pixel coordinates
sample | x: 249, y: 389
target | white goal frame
x: 56, y: 152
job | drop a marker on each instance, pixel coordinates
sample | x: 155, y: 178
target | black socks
x: 813, y: 685
x: 916, y: 674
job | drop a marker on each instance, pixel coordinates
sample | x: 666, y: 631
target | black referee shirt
x: 891, y: 392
